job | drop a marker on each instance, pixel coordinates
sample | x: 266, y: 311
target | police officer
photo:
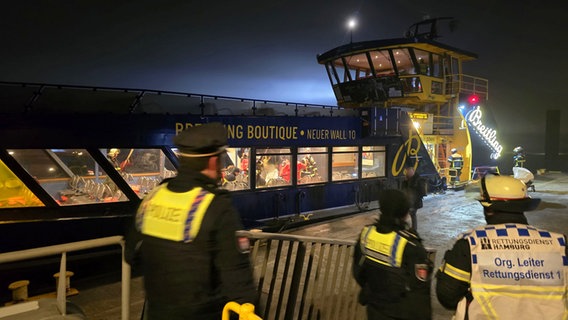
x: 506, y: 269
x: 192, y: 261
x: 456, y: 163
x: 391, y: 265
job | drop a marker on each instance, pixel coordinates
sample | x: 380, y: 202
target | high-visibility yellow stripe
x: 518, y: 289
x: 486, y: 307
x: 554, y: 294
x: 384, y: 248
x: 520, y: 295
x: 483, y: 295
x: 455, y: 273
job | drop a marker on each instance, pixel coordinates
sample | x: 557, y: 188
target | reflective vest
x: 383, y: 248
x: 456, y: 161
x: 517, y: 272
x: 171, y: 215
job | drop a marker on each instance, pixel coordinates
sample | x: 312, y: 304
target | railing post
x: 126, y: 275
x: 62, y: 286
x: 295, y: 284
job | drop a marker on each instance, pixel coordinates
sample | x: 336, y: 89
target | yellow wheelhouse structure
x: 422, y: 77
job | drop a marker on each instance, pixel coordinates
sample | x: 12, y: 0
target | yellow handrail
x: 245, y: 311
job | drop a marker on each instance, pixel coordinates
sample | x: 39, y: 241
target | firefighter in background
x: 245, y: 163
x: 310, y: 168
x: 118, y: 165
x: 112, y: 155
x: 284, y: 170
x: 456, y: 164
x: 300, y: 168
x: 507, y: 269
x: 391, y: 265
x: 519, y: 157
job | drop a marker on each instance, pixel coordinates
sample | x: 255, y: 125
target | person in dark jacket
x: 414, y: 188
x: 192, y: 261
x: 507, y: 269
x: 392, y: 266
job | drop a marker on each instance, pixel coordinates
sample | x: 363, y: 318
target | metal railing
x: 302, y: 277
x: 63, y: 249
x: 456, y: 83
x: 38, y: 93
x: 297, y: 277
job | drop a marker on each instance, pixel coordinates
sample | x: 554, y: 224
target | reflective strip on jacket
x: 456, y: 161
x: 171, y: 215
x: 518, y: 272
x: 383, y: 248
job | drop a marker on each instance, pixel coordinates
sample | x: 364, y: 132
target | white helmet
x: 505, y: 193
x: 454, y: 150
x: 518, y: 149
x: 113, y: 152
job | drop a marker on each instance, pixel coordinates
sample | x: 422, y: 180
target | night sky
x: 267, y: 49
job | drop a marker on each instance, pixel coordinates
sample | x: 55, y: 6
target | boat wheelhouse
x: 425, y: 78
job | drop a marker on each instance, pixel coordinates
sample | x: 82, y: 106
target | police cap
x: 393, y: 203
x: 204, y: 140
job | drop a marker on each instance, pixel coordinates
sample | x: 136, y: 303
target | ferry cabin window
x: 358, y: 66
x: 69, y: 176
x: 382, y: 63
x: 452, y: 74
x: 437, y: 66
x: 312, y: 165
x: 331, y: 73
x: 344, y: 163
x: 273, y: 167
x: 235, y: 172
x: 13, y: 192
x: 429, y: 64
x: 403, y: 61
x: 341, y: 71
x: 373, y: 161
x: 437, y: 87
x: 423, y: 59
x: 143, y: 169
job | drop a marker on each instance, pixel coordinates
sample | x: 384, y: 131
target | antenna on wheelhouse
x: 351, y: 24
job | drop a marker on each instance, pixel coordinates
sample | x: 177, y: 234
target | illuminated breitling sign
x: 487, y: 134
